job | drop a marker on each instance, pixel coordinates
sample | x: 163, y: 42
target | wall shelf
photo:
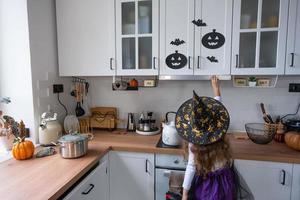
x: 262, y: 81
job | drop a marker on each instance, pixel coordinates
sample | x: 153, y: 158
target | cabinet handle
x: 90, y: 189
x: 110, y: 63
x: 237, y: 61
x: 146, y: 166
x: 167, y: 173
x: 283, y: 177
x: 154, y: 65
x: 292, y: 63
x: 189, y: 61
x: 198, y: 62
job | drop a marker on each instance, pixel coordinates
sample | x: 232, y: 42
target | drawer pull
x: 90, y: 189
x: 176, y: 161
x: 111, y: 63
x: 283, y: 177
x: 292, y: 63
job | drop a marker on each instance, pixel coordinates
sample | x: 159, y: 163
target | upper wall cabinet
x: 86, y: 39
x: 137, y: 37
x: 213, y: 37
x: 195, y: 37
x: 259, y: 36
x: 176, y: 37
x: 293, y: 43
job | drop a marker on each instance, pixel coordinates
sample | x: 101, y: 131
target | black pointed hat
x: 202, y: 120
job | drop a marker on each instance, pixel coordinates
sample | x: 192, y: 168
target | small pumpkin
x: 133, y: 83
x: 22, y: 149
x: 292, y: 139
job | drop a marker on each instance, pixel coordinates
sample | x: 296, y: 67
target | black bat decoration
x: 199, y: 22
x: 177, y: 42
x: 212, y: 59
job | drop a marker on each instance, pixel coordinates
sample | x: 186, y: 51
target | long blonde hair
x: 207, y: 156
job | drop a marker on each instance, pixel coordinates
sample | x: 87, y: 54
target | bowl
x: 261, y: 133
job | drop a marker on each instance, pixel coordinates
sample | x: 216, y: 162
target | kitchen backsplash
x: 242, y: 103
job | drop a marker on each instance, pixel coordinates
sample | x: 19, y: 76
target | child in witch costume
x: 203, y: 122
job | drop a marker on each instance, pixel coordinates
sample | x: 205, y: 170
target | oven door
x: 162, y: 182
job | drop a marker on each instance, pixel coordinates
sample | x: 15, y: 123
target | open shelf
x: 262, y: 81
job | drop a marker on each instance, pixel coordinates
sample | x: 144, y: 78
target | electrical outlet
x: 58, y: 88
x: 294, y: 87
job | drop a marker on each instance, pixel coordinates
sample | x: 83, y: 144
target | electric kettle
x: 169, y: 134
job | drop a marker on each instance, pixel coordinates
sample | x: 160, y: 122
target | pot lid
x: 72, y: 138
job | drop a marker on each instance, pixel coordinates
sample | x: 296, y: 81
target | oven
x: 164, y: 165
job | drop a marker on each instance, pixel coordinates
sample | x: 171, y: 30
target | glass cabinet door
x: 136, y: 36
x: 260, y: 34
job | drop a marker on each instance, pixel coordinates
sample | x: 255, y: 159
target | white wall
x: 242, y: 103
x: 15, y: 66
x: 44, y: 62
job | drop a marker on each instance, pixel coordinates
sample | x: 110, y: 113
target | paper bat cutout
x: 177, y: 42
x: 199, y: 22
x: 212, y: 59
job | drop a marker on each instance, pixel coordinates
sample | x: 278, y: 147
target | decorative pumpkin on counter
x: 292, y: 139
x: 133, y: 83
x: 213, y: 40
x: 176, y: 60
x: 22, y: 149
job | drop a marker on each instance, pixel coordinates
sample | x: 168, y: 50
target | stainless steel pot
x: 73, y: 145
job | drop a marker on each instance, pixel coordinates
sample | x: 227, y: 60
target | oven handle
x: 167, y: 173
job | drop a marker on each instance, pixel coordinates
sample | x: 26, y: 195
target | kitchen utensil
x: 71, y: 124
x: 73, y: 145
x: 261, y: 133
x: 78, y: 110
x: 169, y: 133
x: 292, y: 121
x: 267, y: 118
x: 120, y: 85
x: 130, y: 122
x: 50, y: 129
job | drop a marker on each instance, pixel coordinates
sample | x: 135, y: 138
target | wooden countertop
x: 50, y: 177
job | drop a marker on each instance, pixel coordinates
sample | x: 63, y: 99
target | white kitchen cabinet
x: 292, y: 65
x: 95, y: 186
x: 266, y: 180
x: 137, y: 37
x: 195, y: 37
x: 213, y: 41
x: 131, y: 176
x: 296, y: 182
x: 177, y: 37
x: 86, y: 37
x: 259, y: 37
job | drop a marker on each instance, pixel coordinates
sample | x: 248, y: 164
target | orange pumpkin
x: 133, y: 83
x: 292, y: 139
x: 23, y: 150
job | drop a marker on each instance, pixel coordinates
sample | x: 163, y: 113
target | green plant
x: 252, y: 79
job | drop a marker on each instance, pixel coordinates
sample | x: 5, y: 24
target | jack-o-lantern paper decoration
x: 176, y: 60
x: 213, y: 40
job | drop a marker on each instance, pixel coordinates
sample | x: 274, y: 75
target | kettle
x: 50, y: 129
x: 169, y: 134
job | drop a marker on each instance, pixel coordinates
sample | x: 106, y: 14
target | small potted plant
x: 252, y: 81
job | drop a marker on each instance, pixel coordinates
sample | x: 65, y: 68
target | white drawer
x: 170, y: 161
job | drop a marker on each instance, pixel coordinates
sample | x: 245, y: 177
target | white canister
x: 50, y: 132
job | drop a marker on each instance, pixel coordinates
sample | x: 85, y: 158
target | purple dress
x: 218, y: 185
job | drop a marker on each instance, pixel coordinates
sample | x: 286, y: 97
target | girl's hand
x: 215, y: 85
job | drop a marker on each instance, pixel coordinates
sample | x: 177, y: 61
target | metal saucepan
x: 74, y: 145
